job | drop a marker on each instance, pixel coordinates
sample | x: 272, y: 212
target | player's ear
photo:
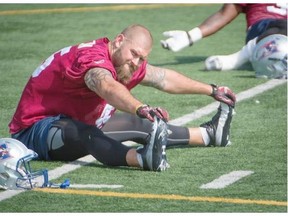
x: 119, y: 40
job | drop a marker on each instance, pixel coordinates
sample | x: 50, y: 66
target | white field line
x: 227, y: 179
x: 240, y: 97
x: 206, y: 110
x: 56, y: 173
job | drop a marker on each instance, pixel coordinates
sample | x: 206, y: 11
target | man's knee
x: 69, y: 140
x: 64, y: 140
x: 62, y: 131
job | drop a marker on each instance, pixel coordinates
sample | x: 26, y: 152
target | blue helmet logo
x: 4, y: 152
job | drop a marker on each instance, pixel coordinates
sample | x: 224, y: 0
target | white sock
x: 139, y: 159
x: 241, y: 57
x: 232, y: 61
x: 205, y: 136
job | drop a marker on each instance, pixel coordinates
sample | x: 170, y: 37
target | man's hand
x: 223, y: 94
x: 145, y: 111
x: 176, y: 41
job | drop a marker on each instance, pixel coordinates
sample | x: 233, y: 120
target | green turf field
x: 31, y: 32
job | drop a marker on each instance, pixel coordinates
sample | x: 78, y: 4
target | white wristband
x: 195, y: 34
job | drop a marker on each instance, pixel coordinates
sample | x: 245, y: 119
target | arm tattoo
x: 94, y: 78
x: 155, y: 77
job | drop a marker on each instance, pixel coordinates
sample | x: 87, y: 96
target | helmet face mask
x: 15, y: 169
x: 269, y: 58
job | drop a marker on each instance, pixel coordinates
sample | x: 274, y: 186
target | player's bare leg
x: 196, y: 137
x: 131, y: 158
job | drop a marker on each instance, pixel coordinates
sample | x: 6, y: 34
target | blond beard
x: 124, y: 76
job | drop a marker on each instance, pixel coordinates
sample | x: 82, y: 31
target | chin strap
x: 63, y: 185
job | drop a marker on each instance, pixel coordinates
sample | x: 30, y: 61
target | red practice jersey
x: 257, y: 12
x: 57, y: 87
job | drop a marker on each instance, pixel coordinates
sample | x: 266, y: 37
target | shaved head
x: 129, y: 50
x: 140, y: 33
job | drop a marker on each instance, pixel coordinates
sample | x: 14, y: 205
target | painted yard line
x: 240, y: 97
x: 95, y: 186
x: 9, y: 193
x: 161, y: 196
x: 59, y: 171
x: 91, y: 9
x: 182, y: 120
x: 227, y: 179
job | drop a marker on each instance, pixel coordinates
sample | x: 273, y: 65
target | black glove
x: 145, y: 111
x: 223, y: 94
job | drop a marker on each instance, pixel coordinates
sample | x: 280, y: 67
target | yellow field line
x: 161, y: 196
x: 87, y: 9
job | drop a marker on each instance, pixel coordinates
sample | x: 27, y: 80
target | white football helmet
x: 269, y: 58
x: 15, y: 170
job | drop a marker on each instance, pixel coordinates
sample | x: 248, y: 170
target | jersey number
x: 280, y: 9
x: 63, y: 51
x: 48, y: 61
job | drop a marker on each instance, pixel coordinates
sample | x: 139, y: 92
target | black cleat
x: 218, y: 128
x: 153, y: 154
